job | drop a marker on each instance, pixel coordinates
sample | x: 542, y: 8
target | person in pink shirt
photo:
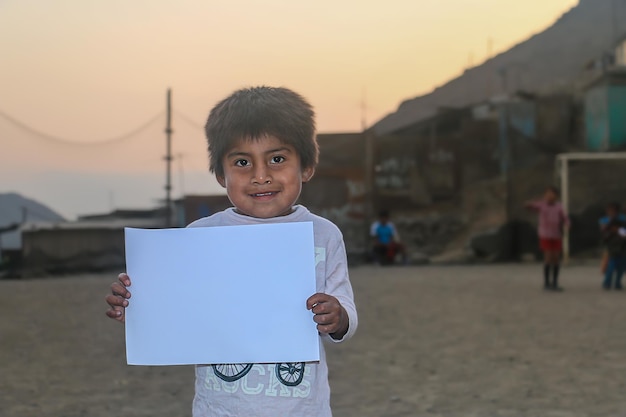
x: 552, y: 222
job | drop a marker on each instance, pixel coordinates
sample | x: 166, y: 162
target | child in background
x: 262, y: 149
x: 615, y: 241
x: 612, y: 212
x: 552, y: 222
x: 386, y: 241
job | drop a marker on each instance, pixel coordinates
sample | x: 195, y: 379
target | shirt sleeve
x: 338, y: 284
x: 534, y: 205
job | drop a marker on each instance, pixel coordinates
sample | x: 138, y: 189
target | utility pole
x: 363, y: 109
x: 168, y: 161
x: 368, y: 140
x: 613, y: 23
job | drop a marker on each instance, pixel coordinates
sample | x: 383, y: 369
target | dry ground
x: 433, y: 341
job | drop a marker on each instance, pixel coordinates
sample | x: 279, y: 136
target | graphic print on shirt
x: 230, y: 372
x: 263, y: 379
x: 320, y: 255
x: 290, y: 374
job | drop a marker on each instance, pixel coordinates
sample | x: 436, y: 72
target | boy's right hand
x: 118, y: 299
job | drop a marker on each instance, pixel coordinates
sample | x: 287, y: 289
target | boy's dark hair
x: 383, y: 213
x: 554, y: 189
x: 252, y: 113
x: 614, y: 205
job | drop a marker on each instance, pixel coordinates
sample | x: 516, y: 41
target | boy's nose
x: 261, y: 176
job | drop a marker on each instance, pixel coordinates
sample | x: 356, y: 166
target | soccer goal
x: 563, y: 177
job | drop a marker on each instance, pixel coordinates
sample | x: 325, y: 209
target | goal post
x: 562, y: 173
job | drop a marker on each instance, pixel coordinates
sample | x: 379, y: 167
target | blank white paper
x: 212, y: 295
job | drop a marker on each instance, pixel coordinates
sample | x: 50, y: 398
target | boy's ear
x: 221, y: 180
x: 307, y: 174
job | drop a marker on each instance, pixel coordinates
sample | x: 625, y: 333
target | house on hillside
x: 427, y: 169
x: 474, y: 165
x: 605, y: 111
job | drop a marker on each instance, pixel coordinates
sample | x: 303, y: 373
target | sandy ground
x: 433, y: 341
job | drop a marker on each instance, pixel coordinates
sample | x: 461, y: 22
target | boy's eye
x: 242, y: 163
x: 277, y: 159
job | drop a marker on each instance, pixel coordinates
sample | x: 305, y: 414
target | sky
x: 84, y: 71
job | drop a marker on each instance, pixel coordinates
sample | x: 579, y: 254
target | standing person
x: 615, y: 241
x: 613, y: 211
x: 262, y: 149
x: 552, y: 222
x: 386, y: 242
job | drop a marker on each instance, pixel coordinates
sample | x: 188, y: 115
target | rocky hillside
x: 554, y: 58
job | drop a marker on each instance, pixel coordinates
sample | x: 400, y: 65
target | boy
x: 385, y: 240
x: 612, y: 212
x: 262, y: 149
x: 615, y: 241
x: 552, y: 222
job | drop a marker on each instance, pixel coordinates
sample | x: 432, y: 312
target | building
x: 193, y: 207
x: 605, y: 110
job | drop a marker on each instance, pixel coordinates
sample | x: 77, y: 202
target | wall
x: 432, y: 163
x: 596, y: 118
x: 617, y: 116
x: 194, y: 207
x: 560, y: 121
x: 605, y: 110
x: 66, y: 250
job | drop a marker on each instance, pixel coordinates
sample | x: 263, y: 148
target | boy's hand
x: 330, y: 316
x: 118, y: 299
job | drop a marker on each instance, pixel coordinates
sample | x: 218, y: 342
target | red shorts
x: 551, y: 245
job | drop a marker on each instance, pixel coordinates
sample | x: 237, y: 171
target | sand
x: 432, y: 341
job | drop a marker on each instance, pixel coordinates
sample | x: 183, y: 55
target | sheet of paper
x: 211, y: 295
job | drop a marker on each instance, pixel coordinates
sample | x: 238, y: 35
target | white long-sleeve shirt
x: 299, y: 389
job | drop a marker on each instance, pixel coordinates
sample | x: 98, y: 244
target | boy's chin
x: 264, y: 215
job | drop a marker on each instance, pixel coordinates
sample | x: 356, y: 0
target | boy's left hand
x: 330, y: 316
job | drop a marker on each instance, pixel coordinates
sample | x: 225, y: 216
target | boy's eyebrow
x: 236, y: 153
x: 240, y: 153
x: 281, y: 149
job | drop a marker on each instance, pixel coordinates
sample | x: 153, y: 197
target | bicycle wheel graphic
x: 290, y: 374
x: 230, y: 372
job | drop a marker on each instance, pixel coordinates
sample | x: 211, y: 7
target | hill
x: 15, y: 209
x: 554, y: 58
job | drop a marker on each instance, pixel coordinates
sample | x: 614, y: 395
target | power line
x: 189, y: 120
x: 57, y: 139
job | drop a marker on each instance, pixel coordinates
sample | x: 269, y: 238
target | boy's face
x: 550, y: 196
x: 611, y: 211
x: 263, y: 177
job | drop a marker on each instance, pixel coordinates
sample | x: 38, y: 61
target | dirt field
x: 433, y: 341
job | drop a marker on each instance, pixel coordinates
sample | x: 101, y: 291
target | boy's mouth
x: 265, y: 194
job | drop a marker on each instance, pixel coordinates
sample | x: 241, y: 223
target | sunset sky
x: 91, y: 70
